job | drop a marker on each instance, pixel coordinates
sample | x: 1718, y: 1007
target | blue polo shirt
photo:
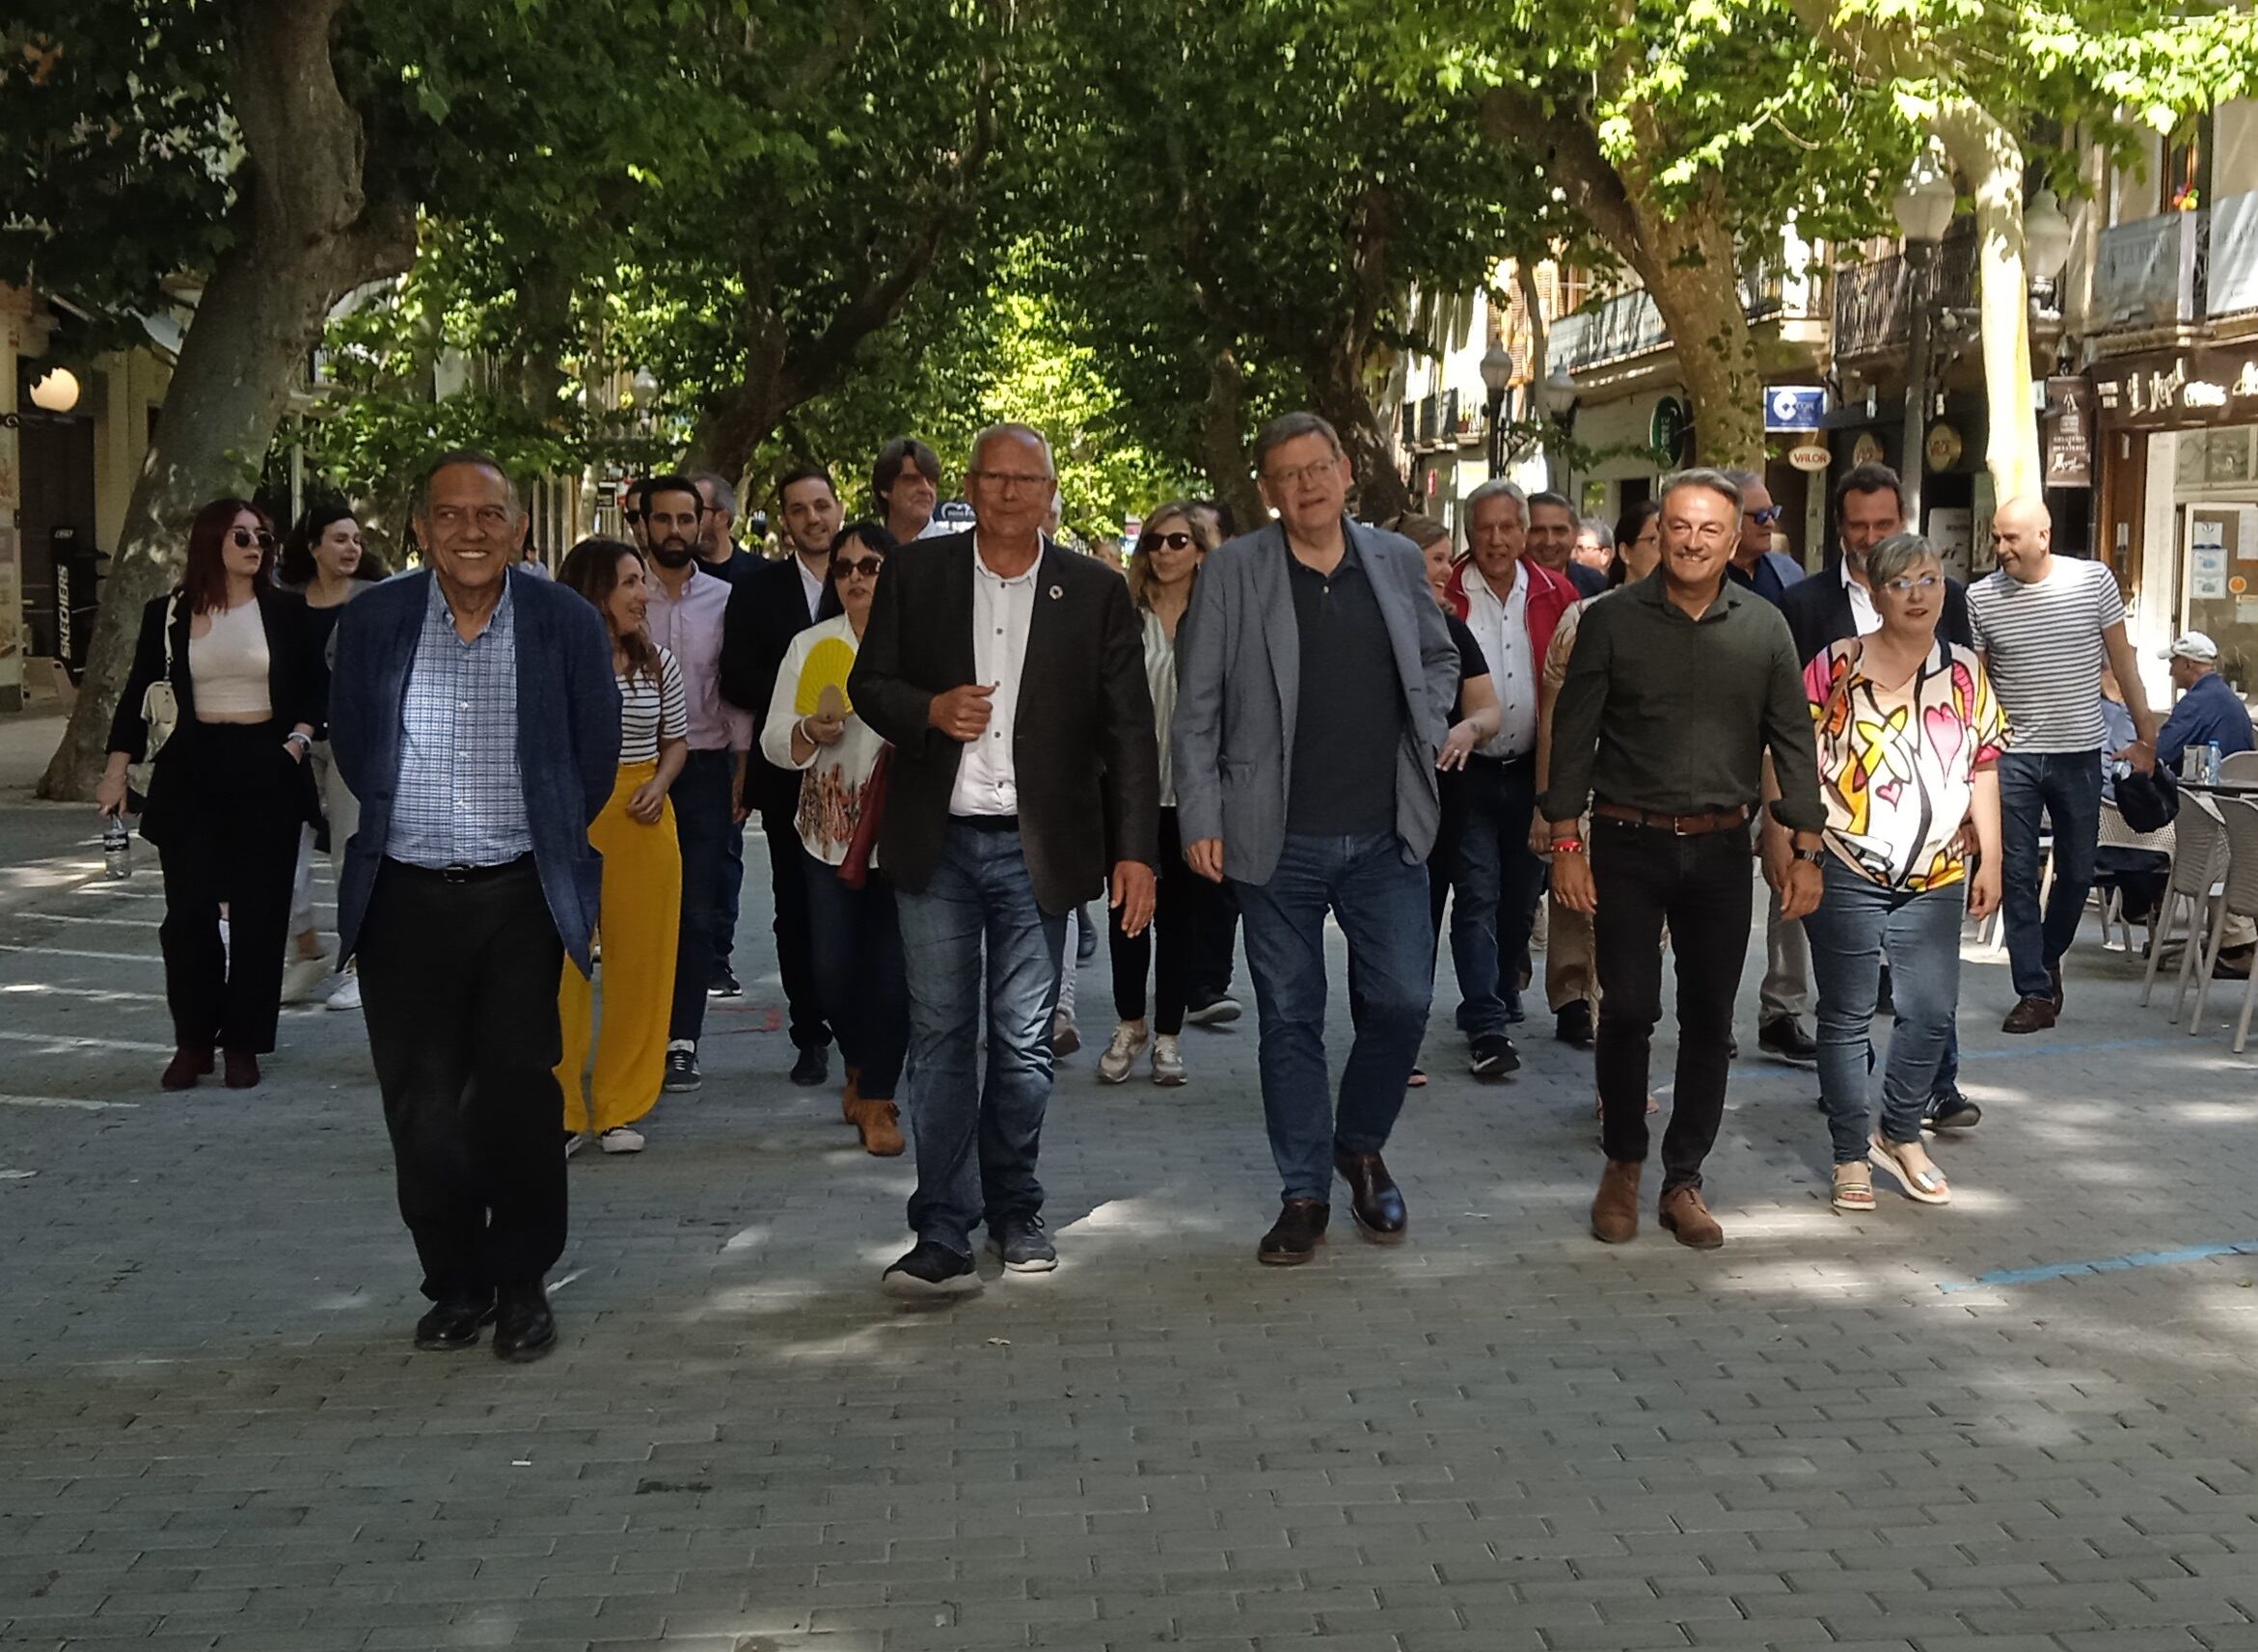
x: 2209, y: 711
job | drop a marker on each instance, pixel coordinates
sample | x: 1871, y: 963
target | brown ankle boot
x: 1684, y: 1214
x: 882, y: 1135
x: 1615, y: 1212
x: 851, y: 1097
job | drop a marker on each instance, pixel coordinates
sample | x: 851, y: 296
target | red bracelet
x: 1567, y: 846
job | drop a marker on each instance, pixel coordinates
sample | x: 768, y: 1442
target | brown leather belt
x: 1678, y: 825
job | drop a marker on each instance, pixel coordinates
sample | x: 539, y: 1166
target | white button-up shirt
x: 812, y: 584
x: 1866, y: 618
x: 1501, y: 628
x: 1002, y: 612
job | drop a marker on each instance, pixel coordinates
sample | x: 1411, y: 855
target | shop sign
x: 1943, y: 448
x: 2204, y: 387
x: 1867, y: 449
x: 2069, y: 433
x: 1668, y: 429
x: 1810, y: 457
x: 1792, y: 408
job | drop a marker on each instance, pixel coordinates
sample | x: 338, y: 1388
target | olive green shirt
x: 1672, y: 715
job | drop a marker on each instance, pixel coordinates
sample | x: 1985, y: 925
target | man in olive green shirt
x: 1677, y: 689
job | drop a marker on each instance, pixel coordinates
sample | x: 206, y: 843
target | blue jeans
x: 2065, y: 786
x: 977, y: 1142
x: 1494, y: 887
x: 726, y: 904
x: 1857, y: 922
x: 1380, y: 902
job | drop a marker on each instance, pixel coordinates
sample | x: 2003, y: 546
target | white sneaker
x: 347, y: 995
x: 1121, y: 1052
x: 1167, y: 1060
x: 621, y: 1139
x: 302, y: 977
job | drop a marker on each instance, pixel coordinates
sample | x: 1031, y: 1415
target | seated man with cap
x: 2209, y: 711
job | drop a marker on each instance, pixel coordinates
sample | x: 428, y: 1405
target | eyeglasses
x: 1177, y: 541
x: 866, y: 566
x: 1766, y: 517
x: 244, y: 539
x: 1926, y: 584
x: 1300, y: 473
x: 1007, y: 480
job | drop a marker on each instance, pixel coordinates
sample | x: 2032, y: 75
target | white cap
x: 2193, y: 645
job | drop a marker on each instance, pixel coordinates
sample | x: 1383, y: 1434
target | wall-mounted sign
x: 2069, y: 433
x: 2178, y: 392
x: 1668, y: 429
x: 1810, y: 457
x: 1943, y: 448
x: 1867, y: 449
x: 1792, y: 408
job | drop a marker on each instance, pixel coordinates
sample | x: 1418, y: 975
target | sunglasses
x: 1177, y: 541
x: 244, y: 539
x: 1764, y: 518
x: 866, y: 566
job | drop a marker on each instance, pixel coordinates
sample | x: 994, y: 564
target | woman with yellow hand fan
x: 811, y: 726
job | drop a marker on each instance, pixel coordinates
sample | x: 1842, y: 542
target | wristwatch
x: 1817, y: 857
x: 298, y: 737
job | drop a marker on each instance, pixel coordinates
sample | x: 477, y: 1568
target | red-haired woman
x: 229, y: 787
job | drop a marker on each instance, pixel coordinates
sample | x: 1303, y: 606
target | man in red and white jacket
x: 1511, y: 605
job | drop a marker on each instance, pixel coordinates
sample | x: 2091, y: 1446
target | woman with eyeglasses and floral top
x: 1909, y: 736
x: 229, y: 787
x: 812, y: 726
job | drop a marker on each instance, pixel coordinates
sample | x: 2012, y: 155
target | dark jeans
x: 702, y: 805
x: 232, y: 812
x: 458, y: 985
x: 1183, y: 903
x: 2064, y: 786
x: 1857, y: 923
x: 1494, y: 883
x: 1380, y: 904
x: 858, y: 971
x: 1699, y: 887
x: 795, y: 939
x: 977, y: 1142
x: 731, y: 891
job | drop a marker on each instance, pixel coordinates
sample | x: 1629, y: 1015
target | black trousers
x: 703, y: 808
x: 458, y: 985
x: 1185, y: 906
x: 1700, y: 886
x: 232, y: 803
x: 793, y: 924
x: 1214, y: 941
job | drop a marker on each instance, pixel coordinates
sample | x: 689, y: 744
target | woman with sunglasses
x: 1162, y: 566
x: 325, y: 561
x: 639, y: 910
x: 812, y: 726
x: 1909, y: 741
x: 229, y: 789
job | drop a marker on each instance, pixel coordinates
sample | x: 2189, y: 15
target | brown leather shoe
x: 1615, y: 1212
x: 1373, y: 1199
x: 1295, y: 1237
x: 186, y: 1066
x: 881, y: 1127
x: 241, y: 1069
x: 1684, y: 1214
x: 2030, y: 1015
x: 850, y: 1097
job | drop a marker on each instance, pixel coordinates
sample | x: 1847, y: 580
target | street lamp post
x: 1923, y: 210
x: 1497, y: 374
x: 1559, y: 402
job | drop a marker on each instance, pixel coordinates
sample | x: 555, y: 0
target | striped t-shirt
x: 2042, y: 646
x: 649, y: 710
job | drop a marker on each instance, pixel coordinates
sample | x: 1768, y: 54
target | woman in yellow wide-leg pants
x: 638, y: 920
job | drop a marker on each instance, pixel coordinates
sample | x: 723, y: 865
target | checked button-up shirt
x: 460, y: 801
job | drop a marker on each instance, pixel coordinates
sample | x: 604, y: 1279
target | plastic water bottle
x: 2210, y: 761
x: 117, y: 849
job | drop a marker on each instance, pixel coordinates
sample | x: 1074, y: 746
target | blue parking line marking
x: 2106, y: 1264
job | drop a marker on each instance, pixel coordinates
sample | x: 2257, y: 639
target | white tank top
x: 227, y: 665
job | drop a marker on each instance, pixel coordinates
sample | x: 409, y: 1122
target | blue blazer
x: 567, y: 738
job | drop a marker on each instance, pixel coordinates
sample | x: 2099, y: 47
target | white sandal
x: 1928, y: 1186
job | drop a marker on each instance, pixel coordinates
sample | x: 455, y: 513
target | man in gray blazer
x: 1315, y: 678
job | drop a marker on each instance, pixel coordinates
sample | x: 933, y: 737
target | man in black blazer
x: 1010, y: 677
x: 1829, y: 607
x: 770, y: 604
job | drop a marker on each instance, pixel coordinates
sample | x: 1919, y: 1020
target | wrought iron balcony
x: 1873, y: 314
x: 2232, y: 272
x: 1629, y: 324
x: 2150, y: 272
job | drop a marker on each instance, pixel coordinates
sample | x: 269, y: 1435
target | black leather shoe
x: 1295, y: 1237
x: 524, y: 1327
x: 1373, y: 1199
x: 451, y: 1326
x: 2054, y: 980
x: 1573, y: 1024
x: 813, y: 1067
x: 1786, y: 1039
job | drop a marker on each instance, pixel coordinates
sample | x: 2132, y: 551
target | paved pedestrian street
x: 2029, y: 1419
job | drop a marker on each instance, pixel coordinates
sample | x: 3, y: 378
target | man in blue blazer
x: 475, y: 715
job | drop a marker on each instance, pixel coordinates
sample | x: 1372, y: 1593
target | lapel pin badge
x: 1057, y: 591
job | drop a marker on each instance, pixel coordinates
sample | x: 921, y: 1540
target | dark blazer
x: 567, y: 737
x: 1818, y: 613
x: 297, y: 687
x: 1084, y: 752
x: 768, y: 607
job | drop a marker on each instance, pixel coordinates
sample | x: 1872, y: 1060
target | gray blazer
x: 1239, y: 688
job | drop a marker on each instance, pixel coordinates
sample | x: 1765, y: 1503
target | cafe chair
x: 2241, y: 765
x: 2199, y: 855
x: 2239, y: 899
x: 2115, y: 833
